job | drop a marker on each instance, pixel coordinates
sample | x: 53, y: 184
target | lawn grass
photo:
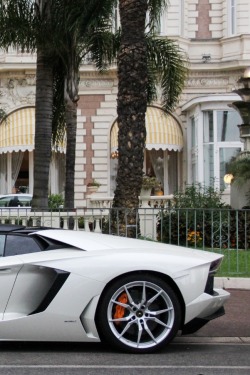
x: 236, y: 263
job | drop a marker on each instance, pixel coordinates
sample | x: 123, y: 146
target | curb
x: 211, y: 340
x: 232, y: 283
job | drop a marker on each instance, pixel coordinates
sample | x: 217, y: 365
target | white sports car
x: 62, y: 285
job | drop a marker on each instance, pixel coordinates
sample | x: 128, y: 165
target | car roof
x: 15, y: 195
x: 10, y: 227
x: 6, y: 228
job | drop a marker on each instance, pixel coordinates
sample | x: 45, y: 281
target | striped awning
x: 163, y: 131
x: 17, y: 131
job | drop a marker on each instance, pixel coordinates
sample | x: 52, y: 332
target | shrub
x: 55, y: 201
x: 192, y: 220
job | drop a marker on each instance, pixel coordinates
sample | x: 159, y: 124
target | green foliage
x: 239, y: 167
x: 197, y: 218
x: 198, y: 196
x: 2, y: 114
x: 148, y: 182
x: 55, y: 201
x: 167, y: 67
x: 94, y: 183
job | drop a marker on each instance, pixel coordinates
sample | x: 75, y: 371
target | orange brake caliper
x: 120, y: 310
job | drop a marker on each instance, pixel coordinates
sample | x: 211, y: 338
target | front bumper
x: 197, y: 323
x: 203, y: 309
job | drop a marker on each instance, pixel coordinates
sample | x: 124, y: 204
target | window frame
x: 232, y: 18
x: 9, y: 236
x: 217, y: 146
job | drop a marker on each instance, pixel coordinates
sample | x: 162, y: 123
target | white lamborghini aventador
x: 61, y: 285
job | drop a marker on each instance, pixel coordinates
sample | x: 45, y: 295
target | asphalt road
x: 92, y: 359
x: 220, y: 348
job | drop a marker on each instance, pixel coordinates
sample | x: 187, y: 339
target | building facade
x: 191, y: 145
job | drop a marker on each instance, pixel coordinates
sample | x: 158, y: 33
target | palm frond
x: 155, y: 10
x: 17, y: 24
x: 168, y: 67
x: 103, y: 46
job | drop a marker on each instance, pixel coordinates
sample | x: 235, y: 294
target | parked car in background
x: 15, y: 200
x: 63, y: 285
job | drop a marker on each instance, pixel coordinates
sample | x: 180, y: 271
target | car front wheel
x: 138, y: 313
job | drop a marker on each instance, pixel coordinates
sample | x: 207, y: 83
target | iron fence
x: 225, y: 231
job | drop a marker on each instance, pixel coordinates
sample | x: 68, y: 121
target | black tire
x: 139, y: 313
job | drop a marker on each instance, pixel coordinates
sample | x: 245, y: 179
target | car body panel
x: 60, y: 321
x: 15, y: 202
x: 206, y: 305
x: 53, y: 295
x: 9, y: 269
x: 106, y: 265
x: 90, y: 241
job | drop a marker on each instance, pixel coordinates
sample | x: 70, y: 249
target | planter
x: 145, y: 192
x: 92, y: 189
x: 158, y: 192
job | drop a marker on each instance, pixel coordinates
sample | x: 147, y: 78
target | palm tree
x: 44, y: 105
x: 23, y: 24
x: 85, y: 32
x: 58, y: 30
x: 142, y: 61
x: 77, y: 29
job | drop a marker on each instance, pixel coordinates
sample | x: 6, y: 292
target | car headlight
x: 214, y: 266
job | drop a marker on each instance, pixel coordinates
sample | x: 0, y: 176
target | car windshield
x: 15, y: 201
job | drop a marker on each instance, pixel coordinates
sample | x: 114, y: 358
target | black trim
x: 209, y: 288
x: 60, y: 278
x: 6, y: 228
x: 197, y: 323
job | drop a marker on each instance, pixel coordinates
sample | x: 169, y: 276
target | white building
x: 193, y: 144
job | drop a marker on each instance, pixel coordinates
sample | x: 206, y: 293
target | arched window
x: 213, y: 139
x: 164, y: 144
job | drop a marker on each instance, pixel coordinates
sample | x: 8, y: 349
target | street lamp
x: 228, y: 178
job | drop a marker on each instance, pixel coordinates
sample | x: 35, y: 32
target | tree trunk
x: 43, y: 117
x: 43, y: 131
x: 131, y: 108
x: 71, y: 121
x: 71, y: 98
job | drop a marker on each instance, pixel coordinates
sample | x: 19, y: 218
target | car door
x: 9, y: 268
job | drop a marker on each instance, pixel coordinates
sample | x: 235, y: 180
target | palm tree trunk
x: 43, y: 131
x: 131, y: 108
x: 71, y: 98
x: 71, y: 121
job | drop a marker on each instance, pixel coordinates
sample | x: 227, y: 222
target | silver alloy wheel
x: 141, y: 314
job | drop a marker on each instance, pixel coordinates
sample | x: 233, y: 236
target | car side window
x: 25, y: 201
x: 16, y: 245
x: 2, y: 242
x: 14, y: 202
x: 4, y: 202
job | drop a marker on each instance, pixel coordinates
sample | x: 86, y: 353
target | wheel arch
x: 167, y: 279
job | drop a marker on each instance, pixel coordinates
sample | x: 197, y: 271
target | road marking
x: 123, y: 367
x: 211, y: 340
